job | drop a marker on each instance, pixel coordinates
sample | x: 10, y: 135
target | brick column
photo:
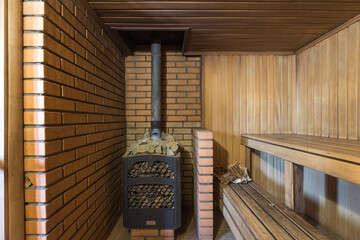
x: 152, y: 234
x: 203, y: 183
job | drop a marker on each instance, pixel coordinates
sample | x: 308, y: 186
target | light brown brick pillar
x: 203, y: 183
x: 152, y: 234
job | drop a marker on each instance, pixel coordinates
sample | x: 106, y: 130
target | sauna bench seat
x: 253, y: 213
x: 336, y: 157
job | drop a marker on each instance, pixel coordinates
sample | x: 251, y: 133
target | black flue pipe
x: 156, y: 89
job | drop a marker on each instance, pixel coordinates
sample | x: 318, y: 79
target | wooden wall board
x: 246, y: 94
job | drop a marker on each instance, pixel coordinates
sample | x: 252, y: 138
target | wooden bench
x: 253, y: 213
x: 339, y: 158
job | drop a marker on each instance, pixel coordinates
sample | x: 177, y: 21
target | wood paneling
x: 328, y: 86
x: 329, y: 105
x: 325, y: 101
x: 246, y: 94
x: 252, y: 25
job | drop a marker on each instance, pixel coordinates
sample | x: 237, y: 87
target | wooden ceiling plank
x: 260, y: 26
x: 214, y: 25
x: 189, y: 20
x: 226, y: 13
x: 223, y: 31
x: 217, y: 1
x: 250, y: 20
x: 165, y: 5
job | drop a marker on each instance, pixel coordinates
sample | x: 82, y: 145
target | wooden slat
x: 223, y: 20
x: 223, y: 13
x: 230, y: 221
x: 266, y: 219
x: 317, y: 233
x: 254, y: 213
x: 296, y: 231
x: 246, y: 218
x: 235, y: 221
x: 234, y: 26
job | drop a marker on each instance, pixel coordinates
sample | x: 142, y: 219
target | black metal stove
x: 152, y: 191
x: 152, y: 182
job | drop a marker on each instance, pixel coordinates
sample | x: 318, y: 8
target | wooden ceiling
x: 230, y: 25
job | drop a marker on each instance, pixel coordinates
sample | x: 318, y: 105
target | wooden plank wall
x: 249, y: 94
x: 261, y: 94
x: 246, y: 94
x: 328, y: 104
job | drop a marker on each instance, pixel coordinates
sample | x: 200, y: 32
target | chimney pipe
x: 156, y: 89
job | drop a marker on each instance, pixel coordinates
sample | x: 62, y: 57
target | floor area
x: 187, y: 231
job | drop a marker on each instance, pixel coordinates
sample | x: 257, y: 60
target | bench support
x: 293, y: 179
x: 248, y: 159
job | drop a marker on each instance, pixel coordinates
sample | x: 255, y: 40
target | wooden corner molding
x: 329, y: 34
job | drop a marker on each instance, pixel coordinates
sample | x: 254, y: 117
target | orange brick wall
x: 204, y: 188
x: 74, y: 132
x: 181, y: 102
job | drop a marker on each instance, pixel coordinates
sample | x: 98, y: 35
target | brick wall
x: 203, y: 178
x: 152, y: 234
x: 74, y: 122
x: 181, y: 102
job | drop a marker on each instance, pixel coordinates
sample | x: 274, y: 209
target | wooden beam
x: 298, y: 172
x: 248, y: 159
x: 206, y: 53
x: 329, y: 34
x: 289, y: 184
x: 293, y: 180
